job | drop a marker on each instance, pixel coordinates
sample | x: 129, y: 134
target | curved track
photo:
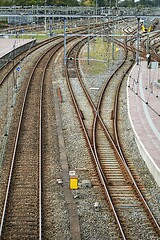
x: 22, y: 208
x: 119, y: 185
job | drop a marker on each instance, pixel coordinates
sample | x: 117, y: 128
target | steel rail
x: 98, y: 117
x: 92, y: 147
x: 96, y: 110
x: 16, y: 143
x: 24, y: 55
x: 157, y: 227
x: 40, y: 143
x: 15, y: 147
x: 151, y: 50
x: 102, y: 176
x: 13, y: 158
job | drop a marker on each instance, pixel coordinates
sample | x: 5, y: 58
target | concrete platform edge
x: 153, y: 168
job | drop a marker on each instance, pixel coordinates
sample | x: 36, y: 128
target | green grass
x: 36, y: 36
x: 58, y: 31
x: 101, y: 52
x: 39, y: 35
x: 3, y: 24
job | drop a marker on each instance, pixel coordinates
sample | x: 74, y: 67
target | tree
x: 39, y: 2
x: 100, y: 3
x: 89, y: 3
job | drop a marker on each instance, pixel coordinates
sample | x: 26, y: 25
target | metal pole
x: 117, y: 7
x: 96, y: 11
x: 138, y: 19
x: 113, y: 47
x: 45, y: 19
x: 50, y: 27
x: 65, y: 58
x: 148, y: 45
x: 113, y: 42
x: 13, y: 82
x: 88, y: 39
x: 14, y: 79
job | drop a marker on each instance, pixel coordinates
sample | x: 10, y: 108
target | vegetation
x: 143, y: 3
x: 100, y: 3
x: 101, y: 58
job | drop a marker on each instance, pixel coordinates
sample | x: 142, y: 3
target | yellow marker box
x: 73, y: 182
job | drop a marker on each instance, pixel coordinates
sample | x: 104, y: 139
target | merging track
x: 22, y: 212
x: 122, y: 192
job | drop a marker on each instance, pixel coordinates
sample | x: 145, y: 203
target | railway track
x: 16, y: 60
x: 114, y: 176
x: 21, y: 215
x: 23, y: 172
x: 22, y: 210
x: 12, y: 85
x: 118, y: 183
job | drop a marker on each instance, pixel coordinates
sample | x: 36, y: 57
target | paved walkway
x: 144, y: 112
x: 7, y: 44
